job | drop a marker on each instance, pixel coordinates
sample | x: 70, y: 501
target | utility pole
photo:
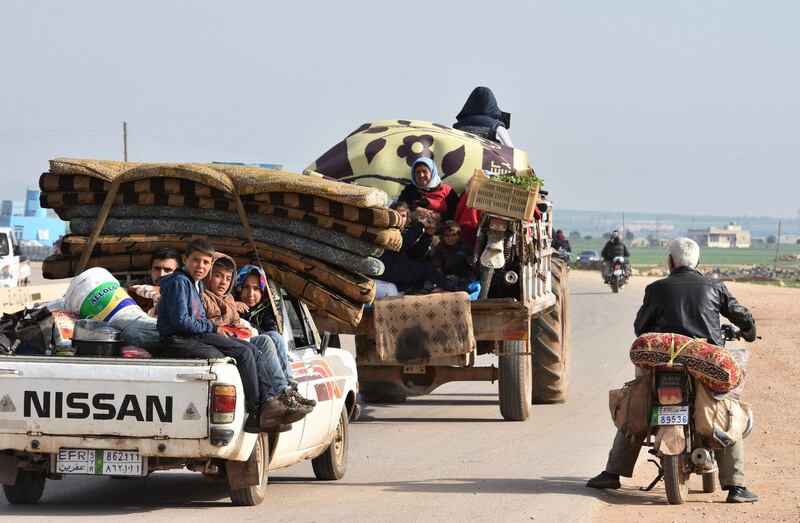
x: 777, y: 247
x: 125, y: 140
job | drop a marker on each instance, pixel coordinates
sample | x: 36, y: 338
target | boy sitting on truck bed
x: 186, y: 333
x: 221, y: 308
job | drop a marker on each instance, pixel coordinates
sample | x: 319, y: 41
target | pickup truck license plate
x: 672, y: 415
x: 99, y: 462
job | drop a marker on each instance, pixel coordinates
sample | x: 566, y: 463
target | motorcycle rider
x: 688, y: 303
x: 615, y: 247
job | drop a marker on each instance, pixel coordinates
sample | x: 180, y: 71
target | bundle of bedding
x: 319, y: 238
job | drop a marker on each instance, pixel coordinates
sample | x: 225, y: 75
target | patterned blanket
x: 380, y: 154
x: 68, y: 183
x: 712, y: 365
x: 348, y: 261
x: 244, y: 179
x: 370, y: 239
x: 204, y: 216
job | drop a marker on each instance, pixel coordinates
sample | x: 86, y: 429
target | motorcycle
x: 617, y: 275
x: 497, y: 238
x: 675, y: 442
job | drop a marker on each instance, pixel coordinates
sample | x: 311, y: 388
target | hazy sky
x: 685, y: 107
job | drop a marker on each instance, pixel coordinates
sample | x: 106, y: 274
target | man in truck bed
x: 186, y: 333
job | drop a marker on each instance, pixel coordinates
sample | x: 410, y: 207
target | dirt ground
x: 772, y: 450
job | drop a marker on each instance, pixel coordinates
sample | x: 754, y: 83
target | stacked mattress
x: 319, y: 239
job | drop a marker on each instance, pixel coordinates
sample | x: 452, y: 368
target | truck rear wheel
x: 514, y: 385
x: 255, y: 494
x: 550, y: 343
x: 28, y: 488
x: 332, y: 464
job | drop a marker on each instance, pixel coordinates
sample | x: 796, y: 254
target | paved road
x: 446, y: 456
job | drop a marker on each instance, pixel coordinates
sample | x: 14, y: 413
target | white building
x: 730, y: 236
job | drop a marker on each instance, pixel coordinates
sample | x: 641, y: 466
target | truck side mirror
x: 326, y: 339
x: 17, y: 250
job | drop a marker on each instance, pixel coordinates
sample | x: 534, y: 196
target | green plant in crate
x: 523, y: 181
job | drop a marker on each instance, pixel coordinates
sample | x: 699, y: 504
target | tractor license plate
x: 671, y: 415
x: 99, y: 462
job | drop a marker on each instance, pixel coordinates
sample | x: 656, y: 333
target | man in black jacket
x: 686, y: 303
x: 613, y: 248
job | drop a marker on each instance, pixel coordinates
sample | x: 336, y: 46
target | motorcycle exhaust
x: 703, y: 459
x: 510, y: 277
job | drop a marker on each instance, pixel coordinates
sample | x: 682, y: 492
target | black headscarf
x: 481, y: 102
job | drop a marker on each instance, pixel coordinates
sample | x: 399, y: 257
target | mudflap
x: 670, y: 440
x: 8, y: 469
x: 243, y: 474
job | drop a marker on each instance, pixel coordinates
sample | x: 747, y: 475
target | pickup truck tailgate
x: 104, y: 396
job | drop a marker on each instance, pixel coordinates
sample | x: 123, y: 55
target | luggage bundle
x: 317, y: 238
x: 715, y: 367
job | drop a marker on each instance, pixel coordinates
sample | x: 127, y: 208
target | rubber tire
x: 676, y: 481
x: 28, y: 488
x: 380, y: 392
x: 332, y: 464
x: 550, y: 343
x: 487, y: 273
x: 614, y: 284
x: 709, y: 482
x: 515, y: 381
x: 254, y: 495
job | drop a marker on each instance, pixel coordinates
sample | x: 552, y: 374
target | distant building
x: 731, y: 236
x: 640, y: 241
x: 32, y: 223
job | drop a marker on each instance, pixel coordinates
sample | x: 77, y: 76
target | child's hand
x: 241, y: 307
x: 223, y: 332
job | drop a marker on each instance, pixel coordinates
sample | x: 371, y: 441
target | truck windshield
x: 4, y: 245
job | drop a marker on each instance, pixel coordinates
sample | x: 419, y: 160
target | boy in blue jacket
x: 186, y: 333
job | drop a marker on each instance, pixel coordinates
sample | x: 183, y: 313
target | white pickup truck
x: 15, y: 270
x: 61, y: 416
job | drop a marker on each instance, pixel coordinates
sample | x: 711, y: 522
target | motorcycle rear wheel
x: 676, y: 478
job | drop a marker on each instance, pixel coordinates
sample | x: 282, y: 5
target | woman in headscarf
x: 482, y: 117
x: 250, y: 290
x: 427, y: 192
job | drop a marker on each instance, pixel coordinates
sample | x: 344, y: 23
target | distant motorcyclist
x: 561, y: 242
x: 686, y: 303
x: 613, y: 248
x: 481, y: 116
x: 562, y: 246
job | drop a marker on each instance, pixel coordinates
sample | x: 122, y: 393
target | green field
x: 709, y: 257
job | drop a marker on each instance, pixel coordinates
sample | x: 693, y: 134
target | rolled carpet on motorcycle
x: 714, y: 366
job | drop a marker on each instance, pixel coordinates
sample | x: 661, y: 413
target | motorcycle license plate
x: 99, y: 462
x: 671, y: 415
x: 617, y: 272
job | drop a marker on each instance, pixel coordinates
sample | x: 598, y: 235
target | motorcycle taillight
x: 670, y: 388
x: 617, y: 266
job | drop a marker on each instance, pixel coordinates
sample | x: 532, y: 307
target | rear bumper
x: 238, y: 449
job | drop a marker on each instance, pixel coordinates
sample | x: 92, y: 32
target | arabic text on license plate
x: 673, y: 415
x: 99, y: 462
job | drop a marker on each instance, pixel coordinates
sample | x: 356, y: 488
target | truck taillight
x: 223, y: 403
